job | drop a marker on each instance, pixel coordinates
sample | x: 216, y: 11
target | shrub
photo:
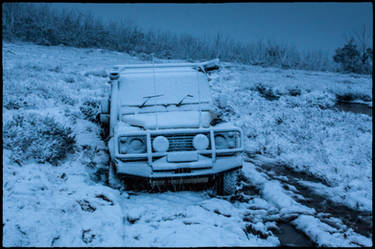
x: 348, y: 57
x: 90, y: 110
x: 351, y: 60
x: 32, y: 136
x: 294, y: 91
x: 266, y: 92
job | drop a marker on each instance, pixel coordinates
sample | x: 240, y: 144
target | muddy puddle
x: 354, y: 107
x: 289, y: 236
x: 359, y: 221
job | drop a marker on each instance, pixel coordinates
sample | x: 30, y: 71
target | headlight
x: 221, y: 142
x: 132, y: 145
x: 227, y: 140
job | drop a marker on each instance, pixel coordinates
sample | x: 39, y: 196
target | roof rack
x: 202, y: 65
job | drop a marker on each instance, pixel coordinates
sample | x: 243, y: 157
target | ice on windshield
x: 172, y: 84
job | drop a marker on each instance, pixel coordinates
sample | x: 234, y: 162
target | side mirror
x: 114, y: 76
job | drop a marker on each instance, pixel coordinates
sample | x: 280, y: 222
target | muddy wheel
x: 104, y: 125
x: 113, y: 179
x: 228, y: 182
x: 104, y: 119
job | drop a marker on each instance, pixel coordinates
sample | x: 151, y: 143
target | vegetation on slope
x: 46, y: 26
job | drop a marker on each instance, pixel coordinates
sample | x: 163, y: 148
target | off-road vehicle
x: 159, y: 119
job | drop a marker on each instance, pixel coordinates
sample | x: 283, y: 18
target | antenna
x: 154, y: 85
x: 153, y: 75
x: 199, y: 99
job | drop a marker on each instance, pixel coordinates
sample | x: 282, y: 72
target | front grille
x: 181, y: 142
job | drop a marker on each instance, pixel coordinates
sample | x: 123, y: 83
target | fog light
x: 200, y: 142
x: 160, y: 144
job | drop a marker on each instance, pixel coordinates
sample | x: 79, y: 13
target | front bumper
x: 161, y: 169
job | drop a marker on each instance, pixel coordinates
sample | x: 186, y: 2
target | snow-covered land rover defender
x: 160, y: 125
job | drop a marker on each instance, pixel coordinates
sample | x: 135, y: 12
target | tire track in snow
x: 342, y: 218
x: 186, y: 218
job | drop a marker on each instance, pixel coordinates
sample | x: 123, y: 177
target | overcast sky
x: 305, y: 25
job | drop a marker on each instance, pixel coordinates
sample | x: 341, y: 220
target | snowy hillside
x: 307, y: 165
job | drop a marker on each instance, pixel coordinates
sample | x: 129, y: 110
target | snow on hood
x: 165, y: 120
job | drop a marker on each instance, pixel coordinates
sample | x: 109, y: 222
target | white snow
x: 43, y: 209
x: 70, y: 205
x: 274, y: 193
x: 173, y: 119
x: 303, y: 132
x: 325, y: 235
x: 192, y: 219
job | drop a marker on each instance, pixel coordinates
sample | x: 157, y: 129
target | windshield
x: 182, y: 86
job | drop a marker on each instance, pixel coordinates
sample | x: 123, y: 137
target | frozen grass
x: 90, y: 110
x: 46, y: 205
x: 32, y: 136
x: 48, y: 89
x: 292, y: 119
x: 58, y: 206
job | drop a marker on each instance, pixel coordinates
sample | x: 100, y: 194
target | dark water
x: 354, y: 107
x: 359, y: 221
x: 289, y: 236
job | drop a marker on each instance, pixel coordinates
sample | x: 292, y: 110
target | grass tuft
x: 32, y: 136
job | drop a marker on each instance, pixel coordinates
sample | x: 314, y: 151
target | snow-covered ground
x: 301, y: 128
x: 288, y: 117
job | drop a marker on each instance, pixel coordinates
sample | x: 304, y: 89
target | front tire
x: 230, y: 182
x: 226, y: 184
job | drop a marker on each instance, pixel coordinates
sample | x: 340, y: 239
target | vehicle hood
x: 167, y: 120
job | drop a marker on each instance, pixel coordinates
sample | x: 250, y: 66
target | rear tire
x: 104, y: 117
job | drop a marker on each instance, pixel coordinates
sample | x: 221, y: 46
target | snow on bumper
x: 179, y: 170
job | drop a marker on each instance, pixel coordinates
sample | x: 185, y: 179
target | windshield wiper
x: 187, y: 95
x: 149, y: 97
